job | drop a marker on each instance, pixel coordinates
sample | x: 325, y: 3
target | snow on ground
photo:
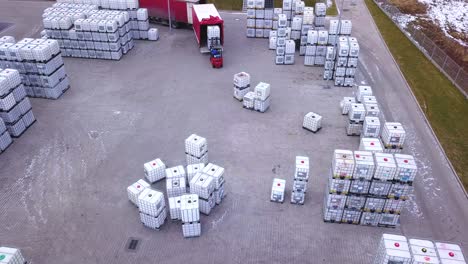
x: 449, y: 15
x: 404, y: 19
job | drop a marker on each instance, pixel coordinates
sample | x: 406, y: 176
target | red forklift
x: 216, y: 57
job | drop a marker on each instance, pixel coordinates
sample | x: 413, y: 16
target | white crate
x: 371, y: 127
x: 297, y: 197
x: 193, y: 169
x: 357, y: 113
x: 369, y: 219
x: 385, y: 166
x: 353, y: 129
x: 249, y: 100
x: 393, y: 249
x: 251, y: 4
x: 289, y: 59
x: 312, y: 122
x: 241, y: 80
x: 299, y: 185
x: 338, y: 186
x: 134, y: 190
x: 259, y: 33
x: 290, y: 47
x: 8, y: 39
x: 310, y: 50
x: 154, y: 222
x: 250, y: 13
x: 203, y: 185
x: 423, y: 251
x: 296, y: 23
x: 155, y: 170
x: 189, y: 208
x: 174, y: 207
x: 5, y: 140
x: 217, y: 172
x: 389, y: 220
x: 364, y: 165
x: 142, y: 14
x: 262, y: 91
x: 16, y: 129
x: 355, y: 202
x: 7, y: 102
x: 175, y: 172
x: 322, y: 37
x: 219, y: 194
x: 343, y: 164
x: 287, y: 5
x: 194, y: 160
x: 369, y: 99
x: 372, y: 110
x: 343, y: 47
x: 345, y: 104
x: 312, y: 37
x: 354, y: 50
x: 191, y: 229
x: 11, y: 256
x: 262, y: 105
x: 196, y: 145
x: 334, y: 27
x: 393, y: 135
x: 206, y: 205
x: 393, y: 206
x: 308, y: 18
x: 380, y: 188
x: 320, y: 9
x: 406, y: 168
x: 332, y: 215
x: 400, y: 191
x: 302, y: 168
x: 11, y: 79
x: 335, y: 201
x: 151, y: 202
x: 239, y: 93
x: 374, y: 205
x: 259, y: 4
x: 14, y: 53
x: 153, y: 34
x: 351, y: 217
x: 28, y: 118
x: 346, y: 27
x: 176, y: 186
x: 277, y: 190
x: 359, y: 187
x: 450, y: 253
x: 272, y: 43
x: 309, y: 60
x: 371, y: 144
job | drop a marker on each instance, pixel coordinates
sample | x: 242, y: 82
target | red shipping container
x: 203, y: 16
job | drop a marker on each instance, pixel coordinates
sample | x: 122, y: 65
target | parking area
x: 63, y: 183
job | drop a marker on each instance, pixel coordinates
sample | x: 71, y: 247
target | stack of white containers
x: 333, y: 31
x: 241, y: 84
x: 290, y: 50
x: 368, y: 188
x: 320, y: 13
x: 217, y: 173
x: 203, y: 185
x: 393, y: 137
x: 139, y: 23
x: 10, y: 255
x: 213, y: 36
x: 190, y: 215
x: 259, y: 19
x: 40, y: 64
x: 15, y: 107
x: 316, y: 50
x: 346, y: 61
x: 152, y: 208
x: 281, y: 38
x: 399, y: 249
x: 356, y: 117
x: 288, y: 11
x: 296, y: 27
x: 277, y: 190
x: 329, y: 63
x: 83, y: 31
x: 345, y: 28
x: 307, y: 24
x: 301, y: 177
x: 196, y: 149
x: 176, y: 181
x: 134, y: 190
x: 155, y: 170
x: 312, y: 122
x: 259, y: 100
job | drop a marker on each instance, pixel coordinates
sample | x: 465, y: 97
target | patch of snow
x: 404, y: 19
x: 450, y: 15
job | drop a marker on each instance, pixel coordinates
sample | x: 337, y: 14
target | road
x: 62, y: 184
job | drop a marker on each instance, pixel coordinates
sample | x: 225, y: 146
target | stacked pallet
x: 196, y: 149
x: 316, y: 50
x: 281, y: 37
x: 399, y: 249
x: 301, y: 178
x: 15, y: 108
x: 10, y: 255
x: 320, y: 13
x: 241, y: 84
x: 329, y: 67
x: 258, y: 100
x: 346, y: 61
x: 307, y: 24
x: 40, y: 64
x: 152, y: 208
x: 190, y: 215
x: 368, y: 188
x: 259, y: 19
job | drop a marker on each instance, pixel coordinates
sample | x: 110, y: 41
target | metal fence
x: 448, y: 66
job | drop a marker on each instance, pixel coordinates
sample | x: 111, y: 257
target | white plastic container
x: 322, y: 37
x: 393, y: 135
x: 380, y: 188
x: 343, y: 164
x: 332, y: 215
x: 134, y: 190
x: 290, y: 47
x: 175, y: 172
x: 361, y: 91
x: 219, y: 194
x: 193, y: 169
x: 196, y: 145
x: 296, y: 23
x: 371, y: 144
x: 400, y: 191
x: 364, y: 165
x: 206, y: 205
x: 351, y: 217
x: 203, y: 185
x: 312, y: 37
x: 369, y: 219
x: 345, y: 104
x: 393, y: 249
x: 174, y: 207
x: 189, y: 208
x: 153, y: 34
x: 406, y: 168
x: 175, y: 186
x: 372, y: 110
x: 191, y: 229
x: 263, y: 105
x: 277, y: 190
x: 142, y: 14
x: 249, y: 100
x: 195, y: 160
x: 155, y: 170
x: 393, y: 206
x: 312, y: 122
x: 371, y: 127
x: 151, y: 202
x: 11, y: 256
x: 450, y: 253
x: 357, y: 113
x: 346, y: 27
x: 302, y: 168
x: 355, y: 202
x: 359, y: 187
x: 335, y: 201
x: 153, y: 222
x: 241, y: 80
x: 343, y: 47
x: 374, y: 205
x: 385, y: 166
x: 262, y: 91
x: 389, y: 220
x: 354, y: 129
x: 217, y: 172
x: 338, y: 186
